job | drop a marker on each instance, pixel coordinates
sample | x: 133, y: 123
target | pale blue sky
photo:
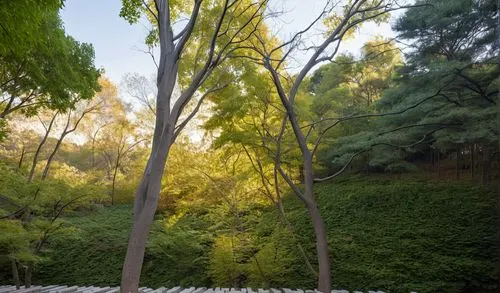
x: 117, y: 44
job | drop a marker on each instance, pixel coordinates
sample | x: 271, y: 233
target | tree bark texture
x: 324, y: 276
x: 147, y: 195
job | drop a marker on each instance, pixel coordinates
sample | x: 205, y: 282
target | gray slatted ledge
x: 93, y: 289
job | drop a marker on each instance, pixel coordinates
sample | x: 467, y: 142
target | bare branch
x: 150, y: 10
x: 188, y: 29
x: 182, y: 125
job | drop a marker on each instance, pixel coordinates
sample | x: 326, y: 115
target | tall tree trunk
x: 15, y: 274
x: 39, y: 148
x: 324, y: 276
x: 145, y: 204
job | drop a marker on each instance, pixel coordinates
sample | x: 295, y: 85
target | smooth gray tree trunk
x: 324, y: 273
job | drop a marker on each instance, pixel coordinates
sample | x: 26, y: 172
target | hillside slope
x: 392, y: 235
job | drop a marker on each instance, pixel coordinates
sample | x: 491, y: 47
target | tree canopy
x: 41, y: 66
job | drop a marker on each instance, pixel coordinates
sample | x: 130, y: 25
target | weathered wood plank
x: 188, y: 290
x: 69, y: 289
x: 53, y: 289
x: 84, y: 289
x: 58, y: 289
x: 48, y: 288
x: 174, y: 290
x: 100, y: 290
x: 159, y: 290
x: 113, y: 290
x: 89, y: 289
x: 200, y: 290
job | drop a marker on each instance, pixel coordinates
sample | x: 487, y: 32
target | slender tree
x: 117, y: 143
x: 353, y: 14
x: 214, y: 31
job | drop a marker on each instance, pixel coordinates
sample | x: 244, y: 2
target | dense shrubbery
x: 392, y: 235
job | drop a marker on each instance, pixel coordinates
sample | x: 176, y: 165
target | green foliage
x: 31, y: 211
x: 406, y: 236
x: 454, y: 29
x: 15, y: 241
x: 41, y: 66
x: 175, y: 256
x: 273, y: 264
x: 444, y: 97
x: 392, y: 235
x: 225, y: 269
x: 93, y: 254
